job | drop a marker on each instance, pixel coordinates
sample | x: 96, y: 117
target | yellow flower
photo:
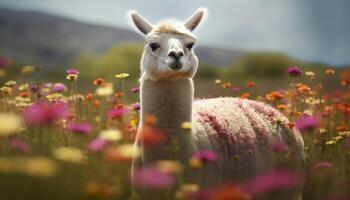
x: 331, y: 142
x: 69, y: 154
x: 2, y: 73
x: 187, y: 188
x: 322, y: 130
x: 10, y: 83
x: 310, y: 74
x: 72, y: 77
x: 128, y: 151
x: 6, y: 90
x: 330, y: 71
x: 169, y: 166
x: 186, y: 125
x: 38, y: 166
x: 28, y: 69
x: 122, y: 75
x: 10, y: 123
x: 195, y: 163
x: 23, y: 87
x: 111, y: 135
x: 104, y: 91
x: 217, y: 81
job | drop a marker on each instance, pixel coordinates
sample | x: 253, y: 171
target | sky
x: 312, y: 30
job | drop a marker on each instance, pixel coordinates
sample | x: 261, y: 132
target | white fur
x: 240, y: 131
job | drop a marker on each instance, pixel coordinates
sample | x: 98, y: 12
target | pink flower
x: 82, y: 128
x: 206, y: 156
x: 294, y: 71
x: 97, y: 144
x: 19, y: 145
x: 136, y: 106
x: 118, y: 112
x: 45, y: 113
x: 323, y: 165
x: 72, y: 71
x: 272, y: 181
x: 59, y: 87
x: 135, y: 89
x: 307, y: 123
x: 152, y: 178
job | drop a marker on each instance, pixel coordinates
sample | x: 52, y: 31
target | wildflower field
x: 57, y: 142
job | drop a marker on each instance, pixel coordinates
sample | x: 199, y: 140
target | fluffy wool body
x: 241, y: 132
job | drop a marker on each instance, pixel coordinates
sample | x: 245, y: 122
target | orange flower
x: 97, y: 103
x: 342, y: 128
x: 282, y: 106
x: 245, y: 95
x: 24, y: 94
x: 119, y: 94
x: 99, y: 81
x: 274, y: 95
x: 345, y: 82
x: 330, y: 71
x: 303, y: 88
x: 89, y: 96
x: 250, y: 84
x: 227, y: 85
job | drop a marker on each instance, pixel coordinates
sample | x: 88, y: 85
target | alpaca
x: 240, y: 131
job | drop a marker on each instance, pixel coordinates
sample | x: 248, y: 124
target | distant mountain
x: 39, y: 38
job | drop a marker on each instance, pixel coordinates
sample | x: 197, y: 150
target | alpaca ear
x: 141, y: 24
x: 192, y: 22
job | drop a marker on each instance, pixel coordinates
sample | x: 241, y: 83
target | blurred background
x: 240, y: 41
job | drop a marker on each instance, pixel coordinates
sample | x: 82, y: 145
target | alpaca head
x: 169, y: 49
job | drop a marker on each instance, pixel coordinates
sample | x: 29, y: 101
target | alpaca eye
x: 154, y: 46
x: 190, y: 45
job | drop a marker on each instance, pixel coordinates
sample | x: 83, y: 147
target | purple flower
x: 294, y: 71
x: 135, y: 89
x: 118, y: 112
x: 47, y: 85
x: 45, y: 113
x: 59, y: 87
x: 205, y: 156
x: 323, y: 165
x: 306, y: 123
x: 272, y: 181
x: 136, y: 106
x: 152, y: 178
x: 19, y: 145
x: 82, y: 128
x: 72, y: 71
x: 97, y: 144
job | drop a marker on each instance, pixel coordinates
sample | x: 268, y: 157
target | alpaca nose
x: 176, y: 54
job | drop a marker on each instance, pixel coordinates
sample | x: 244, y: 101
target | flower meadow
x: 57, y: 142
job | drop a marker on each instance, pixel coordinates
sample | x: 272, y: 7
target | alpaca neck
x: 171, y: 103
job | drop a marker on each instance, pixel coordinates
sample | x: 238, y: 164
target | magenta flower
x: 19, y: 145
x: 5, y: 63
x: 72, y: 71
x: 272, y: 181
x: 47, y: 85
x: 206, y: 156
x: 136, y: 106
x: 118, y: 112
x: 97, y: 144
x: 323, y: 165
x: 135, y: 89
x: 306, y: 123
x: 152, y: 178
x: 294, y: 71
x: 59, y: 87
x: 82, y: 128
x: 45, y: 113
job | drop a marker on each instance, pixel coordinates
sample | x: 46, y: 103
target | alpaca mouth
x: 176, y: 65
